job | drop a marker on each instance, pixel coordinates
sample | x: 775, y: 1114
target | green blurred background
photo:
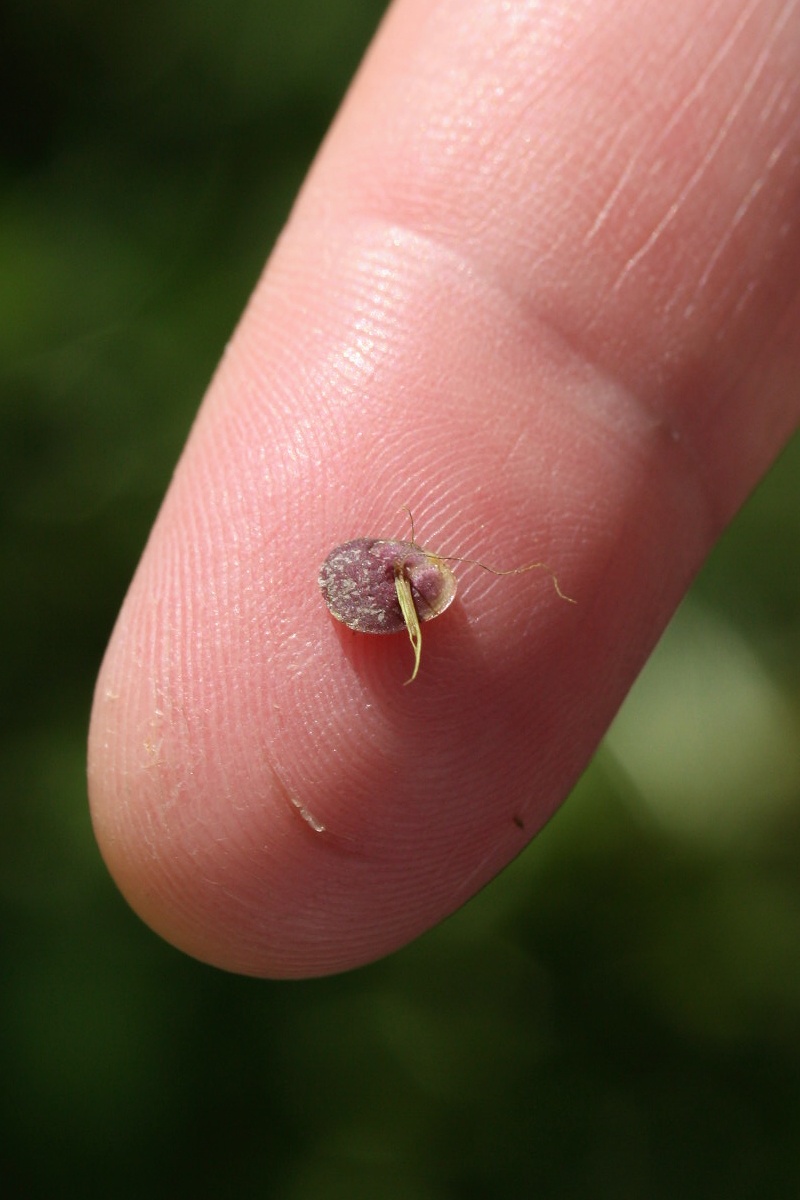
x: 619, y: 1014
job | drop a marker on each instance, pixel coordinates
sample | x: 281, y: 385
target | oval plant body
x: 362, y: 582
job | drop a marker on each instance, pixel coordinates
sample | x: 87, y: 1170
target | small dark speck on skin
x: 518, y: 821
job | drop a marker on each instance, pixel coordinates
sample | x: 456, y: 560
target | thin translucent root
x: 537, y: 566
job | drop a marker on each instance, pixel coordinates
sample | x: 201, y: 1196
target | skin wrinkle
x: 722, y: 134
x: 738, y: 219
x: 617, y: 191
x: 645, y: 149
x: 679, y: 58
x: 778, y: 102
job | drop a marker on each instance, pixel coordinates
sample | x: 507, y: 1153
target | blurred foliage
x: 619, y: 1014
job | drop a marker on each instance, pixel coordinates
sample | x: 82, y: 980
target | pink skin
x: 543, y: 286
